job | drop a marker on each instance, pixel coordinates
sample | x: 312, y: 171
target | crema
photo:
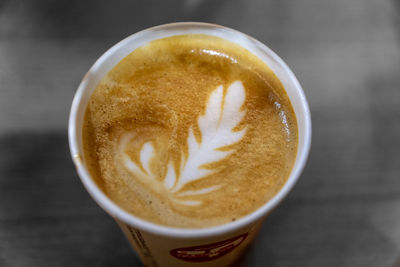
x: 190, y: 131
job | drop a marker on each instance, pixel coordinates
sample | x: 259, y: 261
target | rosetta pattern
x: 217, y: 127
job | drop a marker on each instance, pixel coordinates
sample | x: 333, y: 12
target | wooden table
x: 345, y: 210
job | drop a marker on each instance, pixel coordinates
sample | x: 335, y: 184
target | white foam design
x: 145, y: 156
x: 198, y: 192
x: 222, y: 115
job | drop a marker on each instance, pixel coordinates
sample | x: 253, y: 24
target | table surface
x: 344, y: 211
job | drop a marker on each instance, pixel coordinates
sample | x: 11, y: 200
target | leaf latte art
x: 222, y: 115
x: 190, y: 131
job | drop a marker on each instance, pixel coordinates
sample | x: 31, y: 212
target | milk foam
x: 190, y: 131
x: 217, y: 126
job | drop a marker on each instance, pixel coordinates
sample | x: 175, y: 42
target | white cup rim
x: 115, y: 211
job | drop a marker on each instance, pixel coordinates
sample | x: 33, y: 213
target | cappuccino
x: 190, y: 131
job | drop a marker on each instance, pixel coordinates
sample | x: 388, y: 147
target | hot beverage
x: 190, y: 131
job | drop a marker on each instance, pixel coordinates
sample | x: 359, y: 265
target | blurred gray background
x: 345, y: 210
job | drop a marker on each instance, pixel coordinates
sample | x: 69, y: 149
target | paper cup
x: 159, y: 245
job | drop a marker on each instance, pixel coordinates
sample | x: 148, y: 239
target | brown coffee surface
x: 190, y: 131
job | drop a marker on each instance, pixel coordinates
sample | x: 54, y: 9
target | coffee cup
x: 159, y: 245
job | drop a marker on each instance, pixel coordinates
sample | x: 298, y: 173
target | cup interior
x: 115, y: 54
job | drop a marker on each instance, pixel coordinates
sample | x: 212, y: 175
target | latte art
x: 190, y: 131
x: 222, y: 116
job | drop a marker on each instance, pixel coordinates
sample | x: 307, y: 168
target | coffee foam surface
x: 190, y: 131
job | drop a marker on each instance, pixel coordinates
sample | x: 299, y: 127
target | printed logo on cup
x: 208, y: 252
